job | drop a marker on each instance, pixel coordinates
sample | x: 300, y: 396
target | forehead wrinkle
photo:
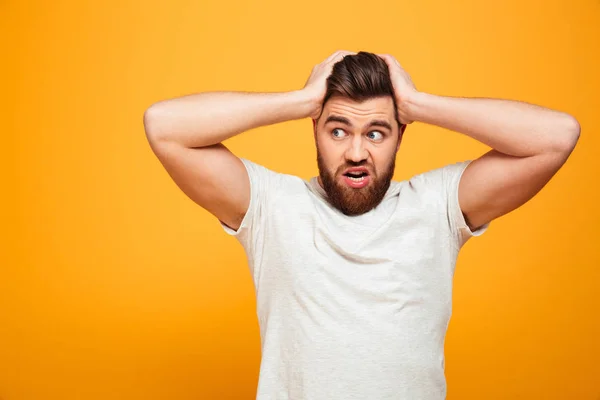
x: 356, y: 110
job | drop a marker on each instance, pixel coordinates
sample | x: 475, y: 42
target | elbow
x: 569, y: 135
x: 149, y: 121
x: 573, y: 133
x: 152, y: 121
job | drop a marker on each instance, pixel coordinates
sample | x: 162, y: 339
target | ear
x: 402, y: 129
x: 400, y: 136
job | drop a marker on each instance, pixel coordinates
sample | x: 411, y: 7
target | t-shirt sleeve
x: 458, y: 225
x: 251, y: 233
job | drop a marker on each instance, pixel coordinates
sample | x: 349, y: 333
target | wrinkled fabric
x: 352, y: 307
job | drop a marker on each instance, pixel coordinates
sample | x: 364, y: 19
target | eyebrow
x: 346, y: 121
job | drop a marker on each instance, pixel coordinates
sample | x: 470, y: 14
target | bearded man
x: 353, y: 270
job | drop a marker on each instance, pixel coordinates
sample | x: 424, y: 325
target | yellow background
x: 114, y: 285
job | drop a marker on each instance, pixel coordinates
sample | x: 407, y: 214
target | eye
x: 337, y: 132
x: 375, y: 133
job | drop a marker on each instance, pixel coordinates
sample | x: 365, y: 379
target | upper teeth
x: 357, y: 179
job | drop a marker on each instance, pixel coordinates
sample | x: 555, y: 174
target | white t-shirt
x: 353, y: 307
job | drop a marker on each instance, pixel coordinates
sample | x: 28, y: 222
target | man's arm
x: 185, y: 134
x: 530, y: 143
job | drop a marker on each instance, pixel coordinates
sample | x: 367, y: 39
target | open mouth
x: 357, y: 179
x: 356, y: 176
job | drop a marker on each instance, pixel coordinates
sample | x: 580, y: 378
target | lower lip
x: 357, y: 185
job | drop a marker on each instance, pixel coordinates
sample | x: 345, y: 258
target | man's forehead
x: 374, y: 108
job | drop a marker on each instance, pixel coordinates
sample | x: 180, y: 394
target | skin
x: 529, y: 143
x: 341, y: 145
x: 187, y: 133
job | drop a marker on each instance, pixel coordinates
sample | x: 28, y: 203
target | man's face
x: 356, y: 151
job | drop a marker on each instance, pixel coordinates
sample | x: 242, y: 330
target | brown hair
x: 360, y: 77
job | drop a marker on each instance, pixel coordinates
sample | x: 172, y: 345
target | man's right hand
x: 186, y: 134
x: 316, y: 85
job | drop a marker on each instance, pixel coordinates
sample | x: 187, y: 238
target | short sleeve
x: 452, y: 175
x: 251, y: 233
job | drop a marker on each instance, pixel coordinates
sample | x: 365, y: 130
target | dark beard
x: 352, y: 201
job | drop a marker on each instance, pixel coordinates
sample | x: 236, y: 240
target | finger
x: 340, y: 55
x: 392, y: 63
x: 389, y: 58
x: 345, y: 53
x: 332, y: 56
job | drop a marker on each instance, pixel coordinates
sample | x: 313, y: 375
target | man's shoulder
x: 437, y: 178
x: 277, y: 181
x: 439, y: 171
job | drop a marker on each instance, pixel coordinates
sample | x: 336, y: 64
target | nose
x: 357, y: 152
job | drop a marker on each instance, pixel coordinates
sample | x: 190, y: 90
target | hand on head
x: 316, y: 85
x: 404, y: 88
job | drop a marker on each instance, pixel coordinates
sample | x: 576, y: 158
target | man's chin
x: 352, y: 209
x: 351, y: 201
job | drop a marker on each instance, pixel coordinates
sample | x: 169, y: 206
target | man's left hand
x: 404, y: 88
